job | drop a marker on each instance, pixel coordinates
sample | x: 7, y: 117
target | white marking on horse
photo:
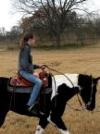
x: 58, y: 80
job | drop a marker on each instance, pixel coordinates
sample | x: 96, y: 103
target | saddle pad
x: 19, y: 89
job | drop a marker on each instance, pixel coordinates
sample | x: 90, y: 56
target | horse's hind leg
x: 2, y: 117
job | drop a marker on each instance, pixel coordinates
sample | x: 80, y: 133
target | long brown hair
x: 25, y: 37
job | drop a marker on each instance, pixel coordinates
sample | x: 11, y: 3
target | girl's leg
x: 35, y: 92
x: 36, y: 88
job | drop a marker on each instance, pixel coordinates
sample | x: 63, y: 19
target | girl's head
x: 27, y: 38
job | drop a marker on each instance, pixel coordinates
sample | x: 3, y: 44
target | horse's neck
x: 69, y: 79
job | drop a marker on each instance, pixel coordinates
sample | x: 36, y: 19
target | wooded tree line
x: 55, y: 21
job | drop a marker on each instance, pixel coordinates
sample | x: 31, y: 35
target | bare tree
x: 56, y: 13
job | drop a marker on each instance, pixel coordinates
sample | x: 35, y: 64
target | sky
x: 93, y: 5
x: 8, y: 18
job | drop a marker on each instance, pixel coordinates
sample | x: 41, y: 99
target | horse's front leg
x: 59, y: 124
x: 43, y: 122
x: 42, y: 125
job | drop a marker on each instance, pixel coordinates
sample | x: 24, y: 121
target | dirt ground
x: 84, y: 60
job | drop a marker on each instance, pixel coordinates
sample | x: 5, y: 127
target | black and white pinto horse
x: 64, y: 87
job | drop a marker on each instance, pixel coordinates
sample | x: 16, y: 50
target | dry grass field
x: 84, y: 60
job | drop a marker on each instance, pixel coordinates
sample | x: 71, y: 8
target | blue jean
x: 36, y: 88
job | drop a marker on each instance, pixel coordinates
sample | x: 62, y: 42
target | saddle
x: 19, y: 81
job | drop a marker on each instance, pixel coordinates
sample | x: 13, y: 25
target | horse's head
x: 88, y: 86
